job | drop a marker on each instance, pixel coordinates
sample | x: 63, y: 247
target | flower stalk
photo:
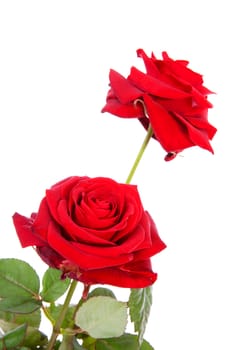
x: 57, y: 326
x: 140, y: 154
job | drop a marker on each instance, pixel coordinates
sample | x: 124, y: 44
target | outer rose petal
x: 168, y: 131
x: 150, y: 65
x: 123, y: 89
x: 129, y: 110
x: 180, y: 70
x: 49, y: 256
x: 201, y: 99
x: 93, y: 257
x: 131, y: 275
x: 64, y: 187
x: 199, y: 137
x: 42, y: 220
x: 23, y: 228
x: 156, y: 246
x: 154, y: 86
x: 84, y: 258
x: 203, y: 124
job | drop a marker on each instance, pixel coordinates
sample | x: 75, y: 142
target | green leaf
x: 32, y: 319
x: 33, y: 337
x: 17, y: 278
x: 19, y: 305
x: 101, y: 292
x: 125, y: 342
x: 102, y: 317
x: 140, y: 302
x: 146, y: 346
x: 53, y: 286
x: 7, y: 326
x: 13, y: 338
x: 19, y: 286
x: 95, y: 293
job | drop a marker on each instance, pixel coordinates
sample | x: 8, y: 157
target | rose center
x: 95, y: 211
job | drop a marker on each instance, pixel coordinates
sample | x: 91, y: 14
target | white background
x: 55, y: 58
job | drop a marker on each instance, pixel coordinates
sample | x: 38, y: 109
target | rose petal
x: 154, y: 86
x: 131, y: 275
x: 27, y: 237
x: 169, y: 131
x: 200, y: 99
x: 199, y: 137
x: 202, y: 123
x: 82, y: 255
x: 78, y: 233
x: 129, y: 110
x: 42, y: 220
x: 182, y: 71
x: 150, y: 65
x: 157, y: 245
x: 49, y: 256
x: 123, y: 89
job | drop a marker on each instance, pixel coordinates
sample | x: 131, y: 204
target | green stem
x: 47, y: 314
x: 140, y: 154
x: 57, y: 326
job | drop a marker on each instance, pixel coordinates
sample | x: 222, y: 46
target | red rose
x: 173, y: 100
x: 94, y: 230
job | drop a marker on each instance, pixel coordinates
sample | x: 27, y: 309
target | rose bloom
x: 94, y: 230
x: 169, y: 96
